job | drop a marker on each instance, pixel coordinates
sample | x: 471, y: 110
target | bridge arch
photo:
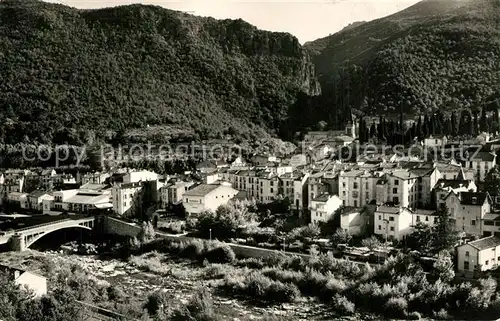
x: 31, y: 239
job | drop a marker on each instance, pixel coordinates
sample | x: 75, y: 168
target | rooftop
x: 202, y: 190
x: 473, y: 198
x: 452, y: 183
x: 485, y: 243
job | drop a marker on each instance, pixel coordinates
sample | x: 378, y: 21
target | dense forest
x: 436, y: 55
x: 74, y: 76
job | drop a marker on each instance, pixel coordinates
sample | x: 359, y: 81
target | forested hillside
x: 436, y: 55
x: 66, y: 71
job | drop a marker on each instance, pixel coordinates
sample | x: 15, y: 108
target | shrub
x: 414, y: 316
x: 154, y: 301
x: 259, y: 287
x: 193, y: 249
x: 396, y: 307
x: 222, y: 254
x: 343, y: 306
x: 199, y: 308
x: 441, y: 315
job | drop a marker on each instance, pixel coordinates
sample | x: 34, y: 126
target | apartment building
x: 357, y: 188
x: 393, y: 222
x: 171, y: 194
x: 427, y: 178
x: 398, y: 187
x: 207, y: 197
x: 323, y: 207
x: 481, y: 163
x: 294, y: 187
x: 127, y: 198
x: 468, y: 210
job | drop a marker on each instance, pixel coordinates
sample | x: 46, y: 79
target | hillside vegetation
x: 67, y: 71
x: 437, y: 54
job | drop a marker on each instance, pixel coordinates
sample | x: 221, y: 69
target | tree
x: 421, y: 238
x: 453, y: 124
x: 443, y: 267
x: 372, y: 242
x: 483, y: 122
x: 492, y: 181
x: 340, y: 237
x: 445, y: 237
x: 147, y: 233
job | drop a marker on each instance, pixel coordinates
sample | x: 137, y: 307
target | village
x: 380, y: 196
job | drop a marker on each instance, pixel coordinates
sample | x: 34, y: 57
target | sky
x: 306, y: 19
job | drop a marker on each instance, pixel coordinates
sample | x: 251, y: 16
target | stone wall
x: 119, y: 227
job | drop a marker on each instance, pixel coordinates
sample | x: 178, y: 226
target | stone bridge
x: 23, y: 238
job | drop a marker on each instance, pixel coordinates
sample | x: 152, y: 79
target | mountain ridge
x: 69, y: 71
x: 418, y: 60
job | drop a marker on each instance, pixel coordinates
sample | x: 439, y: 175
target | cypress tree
x: 453, y: 124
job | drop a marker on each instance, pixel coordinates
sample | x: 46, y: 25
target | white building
x: 299, y: 160
x: 427, y: 217
x: 323, y: 207
x: 127, y: 197
x: 294, y: 187
x: 479, y: 255
x: 33, y: 282
x: 355, y: 222
x: 77, y: 201
x: 443, y: 187
x: 393, y: 222
x: 468, y: 209
x: 207, y: 197
x: 481, y: 163
x: 139, y: 176
x: 18, y: 198
x: 399, y: 187
x: 434, y: 141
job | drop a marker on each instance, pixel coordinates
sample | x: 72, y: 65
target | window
x: 391, y: 219
x: 395, y: 200
x: 473, y: 222
x: 355, y: 203
x: 272, y: 191
x: 396, y: 182
x: 343, y: 185
x: 392, y: 228
x: 467, y: 253
x: 418, y: 218
x: 466, y: 265
x: 427, y: 218
x: 380, y: 217
x: 394, y: 190
x: 379, y: 227
x: 355, y: 185
x: 486, y: 262
x: 488, y: 223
